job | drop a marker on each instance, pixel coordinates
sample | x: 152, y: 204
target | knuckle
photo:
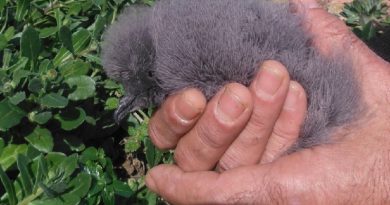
x: 184, y: 158
x: 337, y: 29
x: 260, y: 120
x: 157, y: 138
x: 210, y: 135
x: 178, y: 157
x: 253, y: 136
x: 268, y: 156
x: 285, y: 132
x: 327, y: 23
x: 228, y: 162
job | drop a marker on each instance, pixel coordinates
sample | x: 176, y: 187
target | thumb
x: 330, y: 34
x: 245, y: 185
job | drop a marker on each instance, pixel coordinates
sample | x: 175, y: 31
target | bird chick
x: 206, y: 44
x: 128, y: 56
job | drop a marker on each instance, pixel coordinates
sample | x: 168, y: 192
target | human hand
x: 232, y: 132
x: 354, y: 170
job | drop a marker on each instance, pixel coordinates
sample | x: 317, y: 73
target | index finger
x: 177, y: 115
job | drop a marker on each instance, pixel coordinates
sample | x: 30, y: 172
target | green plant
x: 366, y: 17
x: 56, y: 106
x: 54, y: 178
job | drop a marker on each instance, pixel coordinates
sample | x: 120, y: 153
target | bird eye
x: 150, y: 74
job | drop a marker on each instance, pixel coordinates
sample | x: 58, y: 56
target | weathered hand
x: 354, y: 170
x: 236, y: 123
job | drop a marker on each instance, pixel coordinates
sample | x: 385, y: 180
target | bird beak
x: 129, y: 104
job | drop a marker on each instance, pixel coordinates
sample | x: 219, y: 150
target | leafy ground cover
x: 59, y: 144
x: 58, y: 141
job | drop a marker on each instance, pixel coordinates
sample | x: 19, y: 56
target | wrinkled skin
x: 246, y: 141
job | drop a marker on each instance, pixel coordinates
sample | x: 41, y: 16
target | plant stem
x: 31, y: 197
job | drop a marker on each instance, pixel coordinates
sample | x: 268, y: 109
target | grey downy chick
x: 128, y: 56
x: 206, y: 44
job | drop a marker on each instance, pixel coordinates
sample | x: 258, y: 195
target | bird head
x: 141, y: 91
x: 128, y: 56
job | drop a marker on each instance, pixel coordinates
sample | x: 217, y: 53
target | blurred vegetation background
x: 58, y: 141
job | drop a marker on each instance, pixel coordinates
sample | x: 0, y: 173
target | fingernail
x: 150, y: 183
x: 292, y: 97
x: 229, y: 106
x: 188, y: 107
x: 310, y: 4
x: 269, y: 81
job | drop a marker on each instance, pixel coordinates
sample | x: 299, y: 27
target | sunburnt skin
x: 206, y: 44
